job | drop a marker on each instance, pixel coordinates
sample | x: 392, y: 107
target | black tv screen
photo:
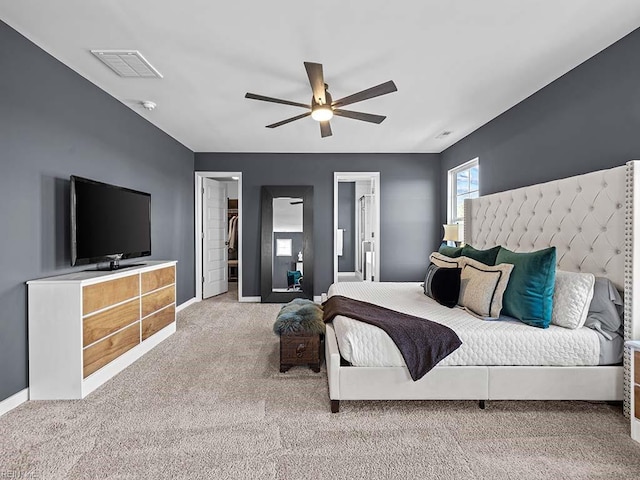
x: 108, y: 222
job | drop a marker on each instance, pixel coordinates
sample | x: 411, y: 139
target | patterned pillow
x: 443, y: 285
x: 572, y: 296
x: 482, y: 287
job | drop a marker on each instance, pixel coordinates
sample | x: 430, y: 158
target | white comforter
x: 503, y: 342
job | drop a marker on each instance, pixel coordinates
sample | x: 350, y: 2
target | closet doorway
x: 218, y: 234
x: 356, y: 226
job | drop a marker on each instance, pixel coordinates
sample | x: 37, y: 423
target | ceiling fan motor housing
x: 327, y: 96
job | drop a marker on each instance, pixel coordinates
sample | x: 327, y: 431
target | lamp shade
x: 451, y: 233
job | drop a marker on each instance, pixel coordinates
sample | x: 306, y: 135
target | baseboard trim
x: 249, y: 299
x: 13, y: 401
x: 317, y: 298
x: 186, y: 304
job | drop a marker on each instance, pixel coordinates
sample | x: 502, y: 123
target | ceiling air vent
x: 127, y: 63
x: 444, y: 134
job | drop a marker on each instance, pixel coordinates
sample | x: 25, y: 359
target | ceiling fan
x: 323, y: 107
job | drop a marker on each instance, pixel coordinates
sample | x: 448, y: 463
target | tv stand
x: 87, y: 326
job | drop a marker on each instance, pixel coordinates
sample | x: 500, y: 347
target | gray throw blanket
x: 423, y: 343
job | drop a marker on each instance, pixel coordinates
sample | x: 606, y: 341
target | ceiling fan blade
x: 316, y: 79
x: 289, y: 120
x: 253, y: 96
x: 325, y: 129
x: 382, y: 89
x: 365, y: 117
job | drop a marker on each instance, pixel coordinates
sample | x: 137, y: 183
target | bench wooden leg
x: 335, y: 406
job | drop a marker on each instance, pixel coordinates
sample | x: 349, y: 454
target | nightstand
x: 635, y: 389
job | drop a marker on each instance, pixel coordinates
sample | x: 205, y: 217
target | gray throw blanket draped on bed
x: 421, y: 342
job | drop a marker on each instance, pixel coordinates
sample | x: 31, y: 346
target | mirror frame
x: 268, y: 193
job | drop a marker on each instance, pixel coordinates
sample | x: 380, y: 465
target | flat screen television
x: 108, y: 223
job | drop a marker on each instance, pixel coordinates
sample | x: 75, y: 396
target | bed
x: 589, y: 219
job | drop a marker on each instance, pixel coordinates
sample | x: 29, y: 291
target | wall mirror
x: 286, y: 243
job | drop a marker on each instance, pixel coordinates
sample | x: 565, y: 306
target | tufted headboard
x: 582, y: 216
x: 590, y: 219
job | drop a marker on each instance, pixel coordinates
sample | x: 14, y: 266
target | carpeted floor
x: 210, y: 403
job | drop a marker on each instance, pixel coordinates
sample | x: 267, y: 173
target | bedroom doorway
x: 356, y: 223
x: 218, y: 234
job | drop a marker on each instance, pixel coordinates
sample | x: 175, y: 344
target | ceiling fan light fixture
x: 322, y: 113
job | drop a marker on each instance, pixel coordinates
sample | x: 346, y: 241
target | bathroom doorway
x: 356, y: 221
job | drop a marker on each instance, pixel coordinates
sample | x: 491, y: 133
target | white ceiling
x: 457, y: 63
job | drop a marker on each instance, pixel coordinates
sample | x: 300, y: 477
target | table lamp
x: 451, y: 234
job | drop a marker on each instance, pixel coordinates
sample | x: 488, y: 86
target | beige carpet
x: 210, y: 403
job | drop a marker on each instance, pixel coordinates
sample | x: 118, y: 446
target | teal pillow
x: 452, y: 252
x: 488, y: 257
x: 529, y: 293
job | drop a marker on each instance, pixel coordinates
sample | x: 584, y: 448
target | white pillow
x: 482, y: 287
x: 443, y: 261
x: 571, y: 298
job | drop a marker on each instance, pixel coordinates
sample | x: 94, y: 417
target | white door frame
x: 352, y: 177
x: 198, y: 227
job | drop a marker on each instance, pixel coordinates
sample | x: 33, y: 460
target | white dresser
x: 85, y: 327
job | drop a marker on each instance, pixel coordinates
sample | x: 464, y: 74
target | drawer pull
x: 300, y: 350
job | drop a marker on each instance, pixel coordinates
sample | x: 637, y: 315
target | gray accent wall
x: 587, y: 120
x: 347, y: 221
x: 409, y: 212
x: 54, y: 123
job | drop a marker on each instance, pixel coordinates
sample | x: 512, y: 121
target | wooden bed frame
x: 590, y: 220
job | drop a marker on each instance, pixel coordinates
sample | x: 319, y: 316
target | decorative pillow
x: 453, y: 252
x: 529, y: 295
x: 572, y: 296
x: 446, y: 262
x: 605, y: 311
x: 482, y: 287
x: 443, y: 285
x: 488, y: 257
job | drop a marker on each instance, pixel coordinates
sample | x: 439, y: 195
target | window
x: 464, y: 182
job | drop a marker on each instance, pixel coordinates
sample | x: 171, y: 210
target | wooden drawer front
x: 158, y: 321
x: 156, y: 300
x: 101, y: 353
x: 102, y: 295
x: 636, y: 366
x: 158, y: 278
x: 105, y: 323
x: 299, y: 349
